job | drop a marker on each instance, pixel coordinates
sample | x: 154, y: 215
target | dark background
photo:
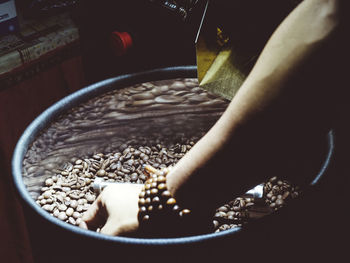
x: 162, y: 39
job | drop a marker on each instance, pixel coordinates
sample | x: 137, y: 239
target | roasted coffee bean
x: 76, y: 215
x: 73, y: 204
x: 62, y: 216
x: 220, y: 214
x: 62, y: 207
x: 78, y: 167
x: 279, y: 202
x: 71, y: 221
x: 69, y: 211
x: 223, y: 209
x: 90, y: 198
x: 64, y: 173
x: 66, y: 189
x: 134, y: 177
x: 82, y: 201
x: 111, y: 175
x: 47, y: 194
x: 101, y: 173
x: 78, y: 221
x: 49, y: 182
x: 48, y: 208
x: 56, y: 212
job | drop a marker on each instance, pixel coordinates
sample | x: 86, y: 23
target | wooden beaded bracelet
x: 155, y: 201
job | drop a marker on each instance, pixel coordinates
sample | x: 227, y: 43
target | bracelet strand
x: 156, y: 202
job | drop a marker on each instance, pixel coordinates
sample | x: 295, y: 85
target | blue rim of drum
x: 94, y: 90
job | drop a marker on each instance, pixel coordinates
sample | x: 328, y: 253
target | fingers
x: 115, y: 228
x: 115, y: 210
x: 110, y: 228
x: 83, y: 225
x: 94, y: 217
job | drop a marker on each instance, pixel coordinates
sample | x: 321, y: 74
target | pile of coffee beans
x: 278, y: 192
x: 68, y: 194
x: 234, y: 214
x: 158, y: 112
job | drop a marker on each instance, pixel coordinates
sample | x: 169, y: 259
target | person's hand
x: 115, y: 210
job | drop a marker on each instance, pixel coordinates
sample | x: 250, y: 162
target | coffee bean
x: 78, y: 221
x: 101, y: 173
x: 71, y: 221
x: 220, y: 214
x: 66, y: 189
x: 242, y: 203
x: 49, y: 182
x: 111, y: 175
x: 76, y: 215
x: 62, y: 207
x: 120, y: 173
x: 126, y: 171
x: 78, y: 167
x: 134, y: 177
x: 215, y: 224
x: 57, y: 187
x: 96, y: 157
x: 62, y: 216
x: 90, y: 198
x: 82, y: 201
x: 273, y: 179
x: 249, y: 204
x: 285, y: 194
x: 269, y: 195
x: 74, y: 204
x: 223, y: 209
x: 48, y: 208
x: 47, y: 194
x: 279, y: 202
x: 69, y: 211
x: 230, y: 213
x: 64, y: 173
x: 236, y: 208
x: 56, y: 212
x: 73, y: 196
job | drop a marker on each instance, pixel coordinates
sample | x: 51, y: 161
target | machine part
x: 257, y: 191
x: 121, y: 42
x: 230, y: 38
x: 99, y: 184
x: 221, y: 68
x: 180, y: 8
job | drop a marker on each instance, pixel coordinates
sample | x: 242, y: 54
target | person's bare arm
x: 211, y: 170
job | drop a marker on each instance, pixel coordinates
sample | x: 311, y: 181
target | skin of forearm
x: 216, y: 167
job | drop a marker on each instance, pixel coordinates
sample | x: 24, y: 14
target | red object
x: 121, y: 42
